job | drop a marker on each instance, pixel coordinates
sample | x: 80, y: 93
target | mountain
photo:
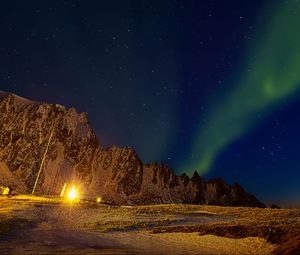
x: 29, y: 130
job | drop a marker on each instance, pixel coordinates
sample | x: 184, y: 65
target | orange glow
x: 5, y: 191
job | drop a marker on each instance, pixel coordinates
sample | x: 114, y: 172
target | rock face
x: 75, y: 156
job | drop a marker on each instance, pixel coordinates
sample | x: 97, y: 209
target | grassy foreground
x: 175, y: 228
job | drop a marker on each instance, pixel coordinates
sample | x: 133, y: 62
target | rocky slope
x: 75, y: 156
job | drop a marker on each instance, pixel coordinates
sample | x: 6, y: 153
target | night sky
x: 212, y: 86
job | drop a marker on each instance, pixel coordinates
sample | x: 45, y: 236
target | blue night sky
x: 211, y: 86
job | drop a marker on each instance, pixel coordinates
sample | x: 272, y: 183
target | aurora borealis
x: 271, y: 74
x: 211, y: 86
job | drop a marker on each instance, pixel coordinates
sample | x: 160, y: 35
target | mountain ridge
x: 76, y: 156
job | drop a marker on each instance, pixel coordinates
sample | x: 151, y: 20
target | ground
x: 37, y: 225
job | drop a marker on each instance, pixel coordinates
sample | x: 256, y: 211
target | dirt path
x: 41, y: 241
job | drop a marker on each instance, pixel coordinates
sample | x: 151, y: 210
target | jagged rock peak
x: 15, y: 98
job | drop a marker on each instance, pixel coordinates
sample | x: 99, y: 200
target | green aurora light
x: 272, y: 74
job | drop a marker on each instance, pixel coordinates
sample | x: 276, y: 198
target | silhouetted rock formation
x: 75, y: 156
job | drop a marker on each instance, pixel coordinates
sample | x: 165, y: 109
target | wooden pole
x: 42, y: 163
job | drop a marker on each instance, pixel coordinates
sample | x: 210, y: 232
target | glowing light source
x: 5, y: 191
x: 98, y: 199
x: 72, y: 195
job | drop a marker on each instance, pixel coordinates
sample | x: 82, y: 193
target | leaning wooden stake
x: 42, y: 163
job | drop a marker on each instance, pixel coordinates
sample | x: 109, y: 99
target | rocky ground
x: 36, y: 225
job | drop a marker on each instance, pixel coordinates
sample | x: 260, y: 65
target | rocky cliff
x: 75, y: 156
